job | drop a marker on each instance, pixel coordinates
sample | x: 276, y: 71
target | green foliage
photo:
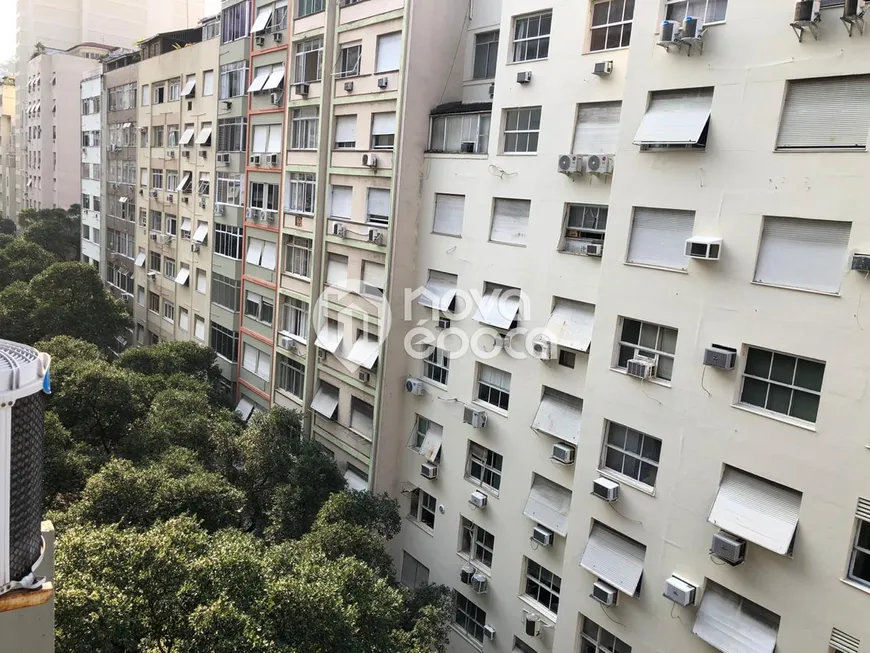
x: 68, y: 348
x: 16, y: 313
x: 67, y: 464
x: 170, y: 358
x: 377, y: 513
x: 8, y: 226
x: 21, y: 261
x: 55, y: 230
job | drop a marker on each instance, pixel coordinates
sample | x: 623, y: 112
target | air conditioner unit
x: 477, y: 418
x: 679, y: 591
x: 604, y: 593
x: 467, y: 147
x: 202, y: 202
x: 375, y: 236
x: 338, y: 229
x: 543, y: 348
x: 260, y: 40
x: 321, y: 354
x: 489, y: 632
x: 152, y: 275
x: 605, y: 489
x: 254, y: 159
x: 276, y: 98
x: 154, y: 237
x: 670, y: 32
x: 270, y: 217
x: 153, y: 194
x: 414, y: 386
x: 287, y: 343
x: 705, y: 249
x: 570, y: 164
x: 272, y: 159
x: 220, y: 209
x: 531, y: 624
x: 255, y: 214
x: 491, y: 91
x: 466, y: 573
x: 164, y: 239
x: 542, y: 535
x: 223, y: 159
x: 185, y: 154
x: 277, y: 37
x: 641, y: 367
x: 592, y: 249
x: 722, y: 357
x: 169, y: 198
x: 365, y: 377
x: 478, y: 499
x: 186, y: 200
x: 563, y: 453
x: 860, y: 262
x: 203, y: 153
x: 692, y: 28
x: 383, y: 82
x: 598, y: 164
x: 370, y: 160
x: 729, y: 548
x: 430, y: 471
x: 479, y: 584
x: 806, y: 11
x: 603, y: 68
x: 348, y: 86
x: 171, y: 153
x: 524, y: 77
x: 194, y: 247
x: 301, y: 89
x: 228, y: 104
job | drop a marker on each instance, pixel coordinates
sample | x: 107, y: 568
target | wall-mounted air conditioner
x: 542, y: 535
x: 570, y: 164
x: 604, y: 593
x: 605, y: 489
x: 721, y: 357
x: 679, y: 591
x: 563, y: 453
x: 702, y: 248
x: 429, y: 470
x: 728, y: 547
x: 476, y: 418
x: 641, y: 367
x: 478, y: 499
x: 414, y: 386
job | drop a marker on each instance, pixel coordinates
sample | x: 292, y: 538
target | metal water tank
x: 23, y: 385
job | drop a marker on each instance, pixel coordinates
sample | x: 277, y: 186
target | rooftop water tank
x: 23, y: 384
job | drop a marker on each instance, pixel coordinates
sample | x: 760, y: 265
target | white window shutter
x: 255, y: 251
x: 199, y: 328
x: 249, y: 358
x: 379, y: 201
x: 269, y: 255
x: 200, y: 281
x: 345, y: 129
x: 208, y: 82
x: 340, y: 202
x: 274, y: 144
x: 374, y: 274
x: 675, y: 117
x: 383, y: 123
x: 597, y: 129
x: 389, y: 52
x: 261, y: 137
x: 449, y: 210
x: 798, y: 253
x: 510, y: 220
x: 336, y: 270
x: 658, y: 237
x: 831, y: 112
x: 264, y: 365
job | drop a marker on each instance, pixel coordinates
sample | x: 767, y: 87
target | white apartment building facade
x: 7, y: 148
x: 91, y: 166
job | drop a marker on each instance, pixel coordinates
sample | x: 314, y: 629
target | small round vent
x: 564, y: 162
x: 594, y: 163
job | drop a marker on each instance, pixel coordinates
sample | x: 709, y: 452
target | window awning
x: 614, y: 558
x: 559, y: 415
x: 201, y: 234
x: 259, y: 81
x: 498, y: 308
x: 244, y: 409
x: 548, y: 504
x: 126, y: 125
x: 186, y: 136
x: 732, y: 624
x: 204, y: 136
x: 675, y: 118
x: 261, y: 20
x: 432, y: 442
x: 329, y: 338
x: 364, y: 352
x: 355, y: 481
x: 440, y: 291
x: 183, y: 276
x: 185, y: 224
x: 189, y: 85
x: 140, y: 259
x: 275, y: 79
x: 123, y: 200
x: 570, y: 324
x: 325, y: 403
x: 185, y: 180
x: 758, y: 510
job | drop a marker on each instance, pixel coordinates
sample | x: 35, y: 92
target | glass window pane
x: 778, y: 398
x: 805, y: 406
x: 665, y: 368
x: 649, y: 336
x: 633, y: 441
x: 625, y: 353
x: 864, y: 534
x: 630, y: 467
x: 597, y: 41
x: 669, y: 340
x: 599, y: 13
x: 629, y: 9
x: 535, y: 119
x: 754, y: 392
x: 861, y: 567
x: 783, y: 368
x: 614, y: 36
x: 809, y: 375
x: 648, y: 474
x: 758, y: 363
x: 616, y: 7
x: 652, y: 448
x: 631, y: 331
x: 616, y: 435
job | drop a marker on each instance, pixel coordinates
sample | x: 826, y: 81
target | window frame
x: 608, y: 25
x: 596, y: 641
x: 507, y: 133
x: 422, y: 506
x: 534, y: 576
x: 490, y: 467
x: 302, y: 50
x: 260, y: 356
x: 491, y: 57
x: 792, y: 387
x: 343, y: 56
x: 499, y: 391
x: 304, y: 128
x: 707, y: 3
x: 294, y: 317
x: 857, y: 549
x: 261, y: 314
x: 290, y: 376
x: 540, y: 40
x: 638, y: 458
x: 292, y: 252
x: 436, y: 366
x: 472, y: 615
x: 646, y: 352
x: 301, y: 189
x: 584, y: 234
x: 473, y: 541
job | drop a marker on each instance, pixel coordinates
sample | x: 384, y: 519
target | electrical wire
x: 677, y: 617
x: 717, y: 563
x: 459, y: 42
x: 618, y: 623
x: 500, y: 172
x: 633, y: 521
x: 702, y: 382
x: 858, y: 308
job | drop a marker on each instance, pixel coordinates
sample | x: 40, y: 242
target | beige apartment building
x: 7, y: 148
x: 174, y: 210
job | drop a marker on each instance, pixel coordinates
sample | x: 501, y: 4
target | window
x: 156, y: 221
x: 389, y: 52
x: 304, y: 125
x: 521, y: 130
x: 308, y: 7
x: 423, y: 507
x: 345, y: 132
x: 279, y: 20
x: 485, y: 55
x: 414, y: 573
x: 449, y: 210
x: 233, y: 81
x: 859, y: 563
x: 234, y: 22
x: 532, y: 36
x: 207, y: 83
x: 228, y: 241
x: 174, y: 89
x: 169, y: 268
x: 225, y: 292
x: 522, y: 647
x: 493, y: 387
x: 154, y: 262
x: 651, y: 341
x: 349, y: 59
x: 172, y: 136
x: 378, y: 209
x: 263, y: 196
x: 422, y: 425
x: 86, y: 202
x: 158, y: 93
x: 782, y: 383
x: 361, y: 417
x: 373, y: 278
x: 224, y: 342
x: 584, y: 223
x: 204, y: 187
x: 229, y: 189
x: 157, y: 136
x: 676, y: 120
x: 436, y: 365
x: 297, y: 256
x: 261, y: 252
x: 291, y: 376
x: 154, y: 302
x: 483, y: 467
x: 200, y: 279
x: 308, y: 61
x: 594, y: 639
x: 469, y: 619
x: 259, y: 307
x: 788, y: 243
x: 266, y: 138
x: 611, y: 24
x: 826, y: 113
x: 460, y: 133
x: 597, y: 128
x: 199, y: 328
x: 510, y: 221
x: 299, y: 196
x: 383, y: 130
x: 256, y: 361
x: 476, y: 542
x: 168, y: 311
x: 710, y: 11
x: 336, y: 270
x: 658, y: 237
x: 542, y: 586
x: 294, y: 317
x: 156, y: 178
x: 632, y: 453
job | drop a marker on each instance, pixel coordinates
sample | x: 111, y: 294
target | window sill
x: 807, y: 290
x: 816, y: 150
x: 293, y: 336
x: 486, y: 489
x: 785, y: 419
x: 438, y: 233
x: 386, y: 72
x: 501, y: 242
x: 525, y: 61
x: 289, y: 395
x: 420, y: 525
x: 433, y: 383
x: 490, y: 407
x: 478, y: 565
x: 624, y: 47
x: 540, y: 609
x: 456, y: 629
x: 535, y: 153
x: 626, y: 480
x: 296, y: 276
x: 856, y: 585
x: 655, y: 267
x: 655, y: 381
x: 457, y: 155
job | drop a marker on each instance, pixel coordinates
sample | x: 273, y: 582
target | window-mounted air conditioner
x: 861, y: 262
x: 479, y: 584
x: 598, y: 164
x: 543, y: 348
x: 604, y: 593
x: 728, y: 547
x: 603, y: 68
x: 466, y: 573
x: 287, y: 343
x: 524, y: 77
x: 153, y: 194
x: 364, y: 377
x: 223, y: 159
x: 679, y: 591
x: 383, y: 82
x: 276, y: 98
x: 194, y: 247
x: 478, y: 499
x: 542, y: 535
x: 641, y: 367
x: 570, y: 164
x: 489, y: 632
x: 429, y: 470
x: 414, y: 386
x: 321, y: 354
x: 605, y: 489
x: 592, y: 249
x: 185, y: 154
x: 563, y: 453
x: 277, y: 37
x: 705, y: 249
x: 203, y: 153
x: 723, y: 358
x: 171, y: 153
x: 254, y: 159
x: 476, y: 418
x: 301, y: 88
x: 169, y: 198
x: 375, y: 236
x: 338, y: 229
x: 531, y: 624
x: 260, y: 40
x: 272, y: 159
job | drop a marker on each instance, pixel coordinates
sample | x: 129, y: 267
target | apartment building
x: 673, y: 463
x: 176, y: 160
x: 91, y: 160
x: 7, y: 148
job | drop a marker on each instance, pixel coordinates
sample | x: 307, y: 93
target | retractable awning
x: 548, y: 504
x: 760, y: 511
x: 559, y: 416
x: 201, y: 234
x: 275, y: 79
x: 185, y: 224
x: 189, y: 85
x: 140, y: 259
x: 183, y: 276
x: 364, y: 352
x: 325, y: 403
x: 204, y: 136
x: 570, y: 324
x: 261, y: 20
x: 432, y: 442
x: 732, y: 624
x: 258, y: 82
x: 614, y: 558
x: 185, y: 180
x: 329, y: 338
x: 187, y: 136
x: 244, y: 409
x: 440, y: 291
x: 498, y: 308
x: 123, y: 200
x: 675, y: 118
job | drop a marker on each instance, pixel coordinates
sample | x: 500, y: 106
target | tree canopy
x: 55, y: 230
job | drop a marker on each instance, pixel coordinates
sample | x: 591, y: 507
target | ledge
x: 27, y: 598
